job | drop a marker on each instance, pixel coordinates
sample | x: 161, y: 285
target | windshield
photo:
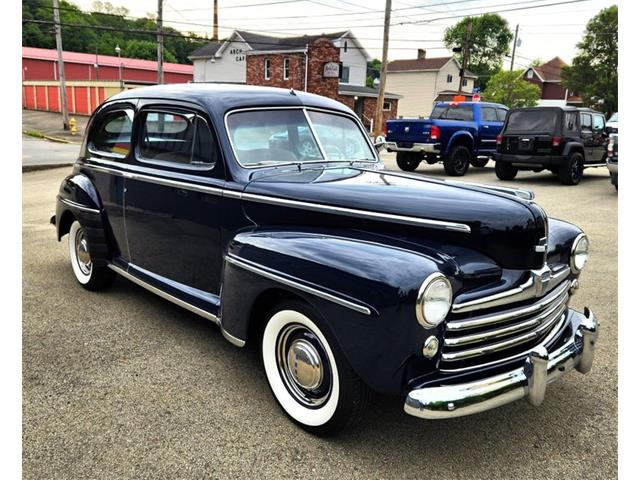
x: 614, y: 117
x: 273, y: 137
x: 532, y: 121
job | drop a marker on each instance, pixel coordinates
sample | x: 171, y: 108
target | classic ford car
x: 348, y: 277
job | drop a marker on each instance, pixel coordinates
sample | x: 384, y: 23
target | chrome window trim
x: 78, y: 206
x: 367, y: 214
x: 181, y: 303
x: 491, y: 319
x: 522, y: 292
x: 296, y: 107
x: 294, y: 283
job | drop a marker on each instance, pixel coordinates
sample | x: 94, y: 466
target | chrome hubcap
x: 303, y: 365
x: 82, y: 253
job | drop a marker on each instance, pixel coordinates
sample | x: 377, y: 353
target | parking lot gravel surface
x: 122, y: 384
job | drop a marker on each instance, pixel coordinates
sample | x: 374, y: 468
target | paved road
x: 36, y: 151
x: 122, y: 384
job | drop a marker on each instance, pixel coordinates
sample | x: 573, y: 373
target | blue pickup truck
x: 458, y: 134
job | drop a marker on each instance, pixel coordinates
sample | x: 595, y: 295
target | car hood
x: 499, y: 224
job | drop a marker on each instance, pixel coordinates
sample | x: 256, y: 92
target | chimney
x: 421, y: 53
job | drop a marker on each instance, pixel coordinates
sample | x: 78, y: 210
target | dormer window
x: 346, y: 45
x: 529, y: 73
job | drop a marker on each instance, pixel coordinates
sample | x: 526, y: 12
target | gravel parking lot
x: 123, y: 384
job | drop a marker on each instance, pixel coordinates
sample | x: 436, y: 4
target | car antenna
x: 292, y: 91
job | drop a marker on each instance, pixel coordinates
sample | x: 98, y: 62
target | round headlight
x: 579, y: 253
x: 434, y: 300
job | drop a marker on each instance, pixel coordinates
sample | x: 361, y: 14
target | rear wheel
x: 506, y: 171
x: 308, y: 374
x: 88, y: 275
x: 457, y: 162
x: 408, y: 161
x: 571, y: 172
x: 479, y: 162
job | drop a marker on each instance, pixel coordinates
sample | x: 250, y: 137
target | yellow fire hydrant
x: 73, y: 126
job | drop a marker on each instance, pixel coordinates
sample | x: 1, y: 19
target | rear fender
x: 461, y: 137
x: 573, y: 146
x: 365, y: 291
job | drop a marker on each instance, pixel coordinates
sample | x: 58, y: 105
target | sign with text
x: 331, y: 70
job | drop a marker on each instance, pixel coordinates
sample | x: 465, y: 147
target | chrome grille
x: 473, y: 341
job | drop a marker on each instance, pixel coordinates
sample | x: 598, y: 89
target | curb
x: 35, y: 168
x: 48, y: 137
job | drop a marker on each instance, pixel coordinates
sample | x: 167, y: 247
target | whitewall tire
x: 308, y: 375
x: 87, y: 274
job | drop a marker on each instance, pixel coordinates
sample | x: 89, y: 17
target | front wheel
x: 506, y: 171
x: 457, y: 162
x: 307, y: 372
x: 88, y: 275
x: 408, y: 161
x: 479, y: 162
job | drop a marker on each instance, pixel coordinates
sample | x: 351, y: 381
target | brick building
x: 548, y: 77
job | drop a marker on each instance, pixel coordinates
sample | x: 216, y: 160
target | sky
x: 544, y: 32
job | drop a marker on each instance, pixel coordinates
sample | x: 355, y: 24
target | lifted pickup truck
x: 458, y: 134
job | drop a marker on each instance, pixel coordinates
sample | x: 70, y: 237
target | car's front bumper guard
x: 530, y: 381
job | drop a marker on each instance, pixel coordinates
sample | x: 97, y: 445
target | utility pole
x: 160, y: 45
x: 377, y: 123
x: 215, y: 20
x: 465, y: 54
x: 63, y: 85
x: 515, y: 42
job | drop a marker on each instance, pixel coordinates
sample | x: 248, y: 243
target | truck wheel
x: 506, y: 171
x: 479, y: 162
x: 457, y: 162
x: 307, y: 372
x: 571, y: 172
x: 408, y: 161
x: 88, y: 275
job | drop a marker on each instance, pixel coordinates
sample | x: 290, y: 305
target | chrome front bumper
x: 530, y: 381
x: 416, y: 148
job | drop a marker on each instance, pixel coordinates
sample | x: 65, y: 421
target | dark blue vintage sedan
x: 348, y: 277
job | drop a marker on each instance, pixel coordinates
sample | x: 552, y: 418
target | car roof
x: 219, y: 98
x: 492, y: 104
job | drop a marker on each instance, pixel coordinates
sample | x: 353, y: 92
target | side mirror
x: 380, y: 143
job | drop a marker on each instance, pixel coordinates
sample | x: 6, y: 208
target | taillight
x: 610, y: 149
x: 435, y: 132
x: 499, y: 140
x: 555, y: 141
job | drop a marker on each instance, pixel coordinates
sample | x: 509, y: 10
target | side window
x: 598, y: 123
x: 570, y: 122
x: 449, y: 78
x: 183, y: 139
x: 502, y: 114
x: 489, y: 114
x: 585, y: 120
x: 112, y: 136
x: 459, y: 112
x: 344, y: 77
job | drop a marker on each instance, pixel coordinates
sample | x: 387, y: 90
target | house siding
x: 230, y: 67
x: 417, y: 89
x: 355, y: 60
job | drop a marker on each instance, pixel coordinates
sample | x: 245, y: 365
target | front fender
x: 365, y: 290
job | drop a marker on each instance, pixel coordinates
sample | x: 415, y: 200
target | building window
x: 386, y: 105
x: 449, y: 78
x: 529, y: 73
x: 346, y: 45
x: 267, y: 69
x: 285, y: 69
x: 464, y: 82
x: 344, y: 75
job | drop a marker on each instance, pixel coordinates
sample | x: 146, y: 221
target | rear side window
x: 183, y: 139
x: 532, y: 121
x: 598, y: 122
x: 585, y: 120
x: 112, y: 136
x: 502, y: 114
x: 570, y: 122
x: 489, y: 114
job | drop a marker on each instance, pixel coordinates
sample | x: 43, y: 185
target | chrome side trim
x: 530, y: 381
x: 523, y: 292
x: 455, y: 325
x: 294, y: 283
x: 80, y: 207
x: 235, y: 341
x: 165, y: 295
x: 317, y: 207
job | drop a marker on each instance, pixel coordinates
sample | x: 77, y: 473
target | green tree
x: 594, y: 71
x: 511, y: 90
x: 490, y: 41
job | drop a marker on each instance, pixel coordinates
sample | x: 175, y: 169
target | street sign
x: 476, y: 97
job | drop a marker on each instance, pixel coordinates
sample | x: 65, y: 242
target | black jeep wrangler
x: 565, y: 140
